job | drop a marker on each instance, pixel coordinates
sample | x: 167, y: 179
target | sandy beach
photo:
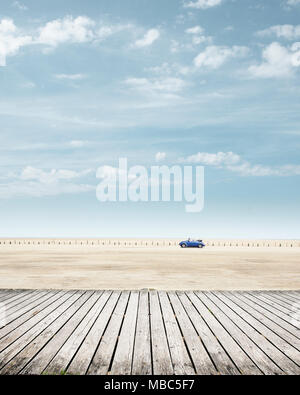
x: 135, y: 268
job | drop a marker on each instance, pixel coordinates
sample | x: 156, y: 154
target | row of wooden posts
x: 146, y: 243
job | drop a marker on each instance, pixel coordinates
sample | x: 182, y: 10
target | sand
x: 162, y: 268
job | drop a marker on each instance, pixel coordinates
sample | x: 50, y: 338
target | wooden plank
x: 102, y: 359
x: 42, y: 358
x: 290, y: 306
x: 256, y: 354
x: 8, y: 294
x: 293, y: 294
x: 26, y: 326
x: 182, y: 363
x: 162, y: 363
x: 259, y: 325
x: 16, y: 310
x: 14, y: 343
x: 144, y: 333
x: 123, y: 358
x: 232, y: 347
x: 84, y: 356
x: 285, y: 295
x: 275, y: 355
x: 66, y: 353
x: 3, y: 292
x: 220, y: 358
x: 289, y: 297
x: 275, y: 303
x: 142, y: 363
x: 31, y: 314
x: 31, y: 306
x: 23, y: 357
x: 19, y: 295
x: 270, y: 307
x: 18, y: 304
x: 277, y: 297
x: 271, y: 313
x: 15, y: 298
x: 275, y: 326
x: 198, y: 353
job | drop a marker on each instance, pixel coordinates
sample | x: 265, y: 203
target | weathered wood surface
x: 123, y: 333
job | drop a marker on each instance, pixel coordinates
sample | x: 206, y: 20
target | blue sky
x: 204, y: 82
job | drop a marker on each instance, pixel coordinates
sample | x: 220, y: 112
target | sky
x: 213, y: 83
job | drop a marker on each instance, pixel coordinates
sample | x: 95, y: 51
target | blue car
x: 192, y: 244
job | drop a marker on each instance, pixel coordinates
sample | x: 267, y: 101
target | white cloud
x: 218, y: 159
x: 233, y: 162
x: 158, y: 85
x: 169, y: 69
x: 110, y: 172
x: 76, y: 30
x: 149, y: 38
x: 37, y: 183
x: 11, y: 40
x: 201, y: 39
x: 290, y: 32
x: 53, y: 176
x: 48, y: 146
x: 7, y: 26
x: 246, y: 169
x: 160, y: 156
x: 29, y: 147
x: 107, y: 172
x: 71, y: 77
x: 214, y: 56
x: 28, y: 85
x: 36, y: 189
x: 195, y: 30
x: 106, y: 31
x: 79, y: 143
x: 278, y: 61
x: 203, y: 4
x: 20, y: 6
x: 59, y: 31
x: 164, y: 69
x: 68, y: 29
x: 198, y: 35
x: 293, y: 2
x: 175, y: 46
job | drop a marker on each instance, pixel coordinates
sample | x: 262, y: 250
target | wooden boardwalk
x: 144, y: 333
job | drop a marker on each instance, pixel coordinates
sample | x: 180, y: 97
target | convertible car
x: 192, y: 244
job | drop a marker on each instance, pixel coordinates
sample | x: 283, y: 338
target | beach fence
x: 142, y: 243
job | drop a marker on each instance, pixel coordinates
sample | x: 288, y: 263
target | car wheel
x: 183, y: 246
x: 200, y: 246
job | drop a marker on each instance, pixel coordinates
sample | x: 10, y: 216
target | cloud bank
x: 203, y: 4
x: 235, y: 163
x: 278, y: 61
